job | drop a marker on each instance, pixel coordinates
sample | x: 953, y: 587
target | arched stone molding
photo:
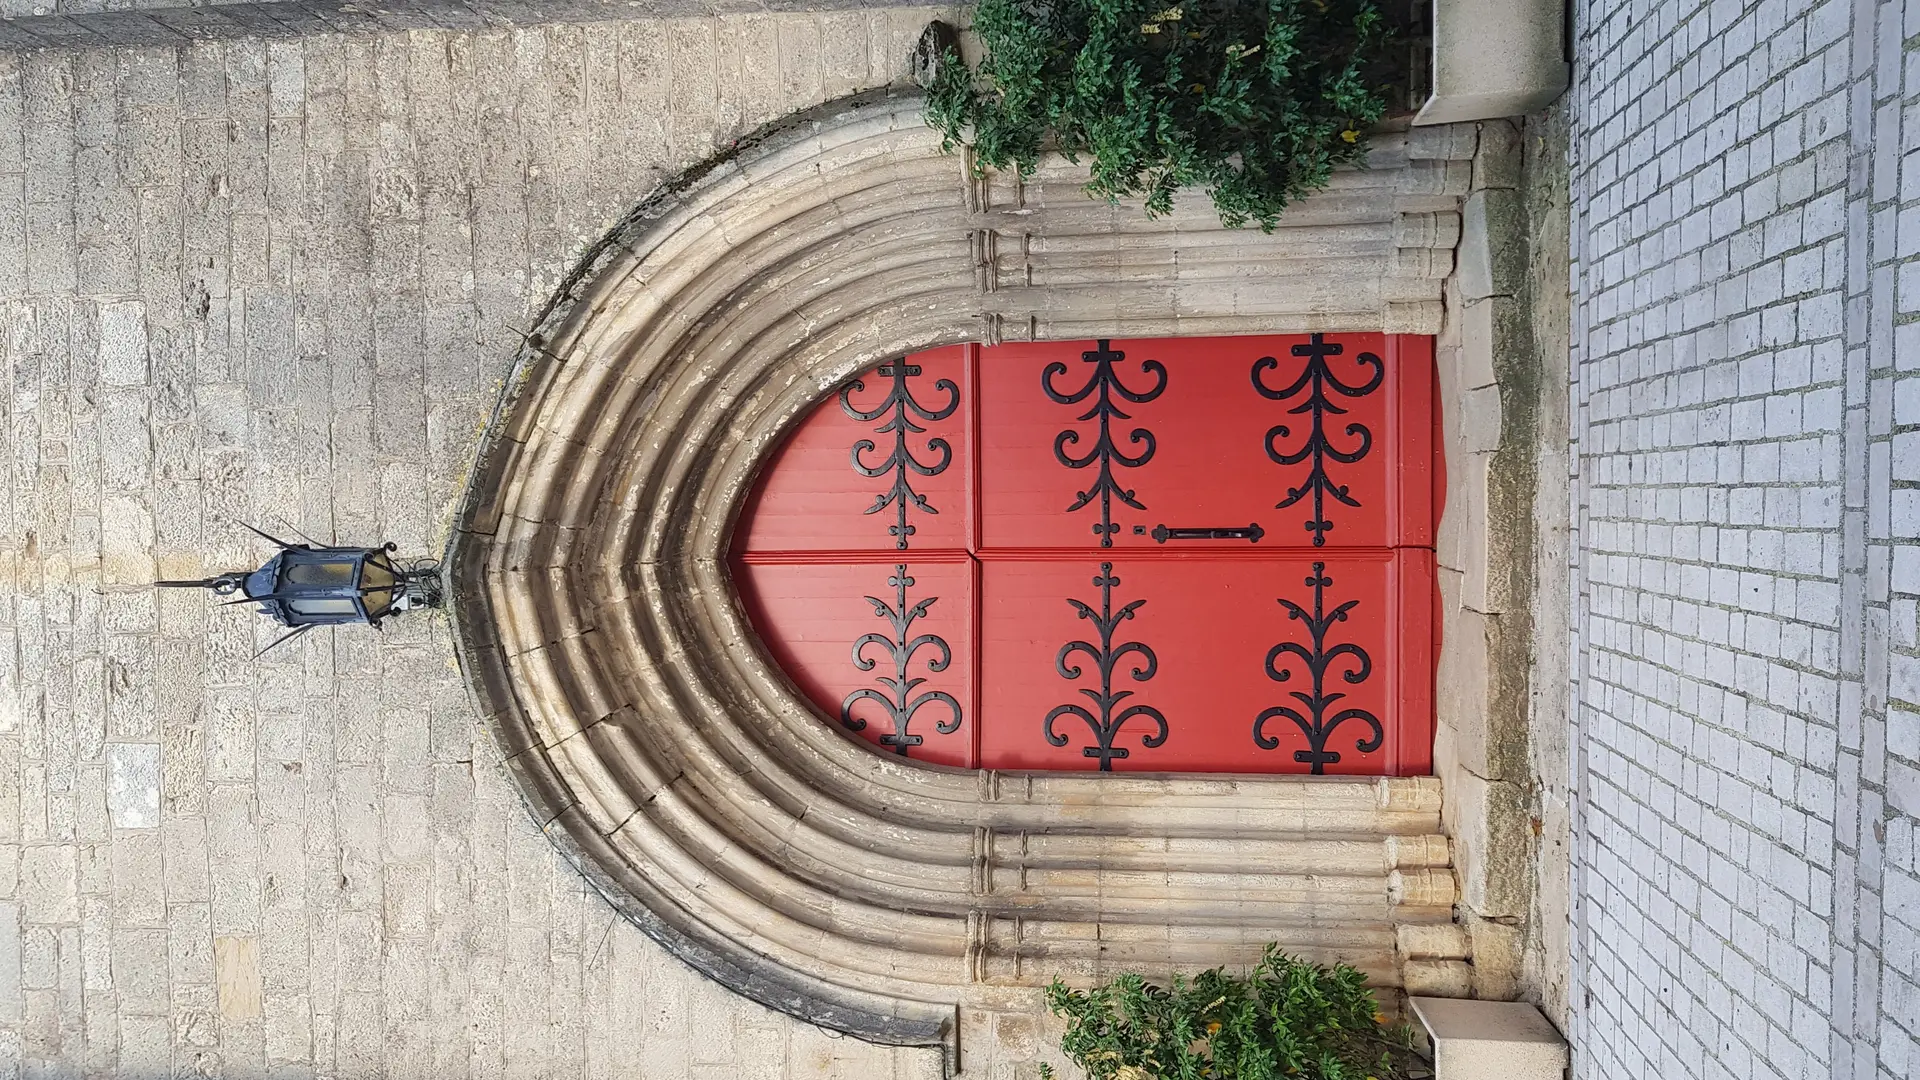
x: 674, y: 763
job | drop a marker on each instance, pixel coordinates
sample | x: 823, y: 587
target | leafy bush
x: 1256, y: 102
x: 1286, y: 1020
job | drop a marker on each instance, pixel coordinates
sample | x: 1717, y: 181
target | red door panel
x: 887, y: 655
x: 882, y: 465
x: 1155, y: 664
x: 1322, y: 440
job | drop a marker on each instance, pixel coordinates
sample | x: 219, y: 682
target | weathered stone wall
x: 118, y: 23
x: 276, y: 282
x: 1747, y: 420
x: 13, y: 9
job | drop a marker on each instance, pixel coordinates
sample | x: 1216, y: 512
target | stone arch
x: 673, y: 762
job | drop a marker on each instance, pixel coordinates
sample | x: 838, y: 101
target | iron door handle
x: 1250, y: 533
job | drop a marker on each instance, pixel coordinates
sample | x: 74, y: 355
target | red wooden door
x: 1165, y: 555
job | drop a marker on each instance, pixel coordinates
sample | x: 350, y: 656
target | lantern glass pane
x: 376, y: 575
x: 378, y: 602
x: 322, y: 605
x: 321, y: 573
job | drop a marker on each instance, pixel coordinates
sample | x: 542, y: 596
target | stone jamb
x: 1498, y: 431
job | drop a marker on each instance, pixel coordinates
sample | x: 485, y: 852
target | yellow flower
x: 1350, y: 136
x: 1171, y: 14
x: 1149, y: 28
x: 1198, y: 88
x: 1213, y: 1027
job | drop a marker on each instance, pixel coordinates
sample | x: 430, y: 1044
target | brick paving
x: 276, y: 282
x: 1746, y: 402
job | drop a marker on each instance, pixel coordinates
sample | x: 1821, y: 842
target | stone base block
x: 1490, y: 1040
x: 1494, y: 58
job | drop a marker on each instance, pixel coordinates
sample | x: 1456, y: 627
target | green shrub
x: 1285, y: 1020
x: 1256, y: 102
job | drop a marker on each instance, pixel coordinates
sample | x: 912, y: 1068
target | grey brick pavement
x: 1746, y: 397
x: 275, y: 282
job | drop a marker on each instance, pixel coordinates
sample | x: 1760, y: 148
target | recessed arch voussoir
x: 672, y: 760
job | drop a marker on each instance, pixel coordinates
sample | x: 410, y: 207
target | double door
x: 1156, y: 555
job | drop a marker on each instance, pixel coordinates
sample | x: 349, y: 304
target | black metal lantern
x: 305, y: 586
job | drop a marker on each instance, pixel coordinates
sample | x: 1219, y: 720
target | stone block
x: 236, y: 968
x: 133, y: 785
x: 1414, y: 317
x: 1442, y: 142
x: 1437, y: 978
x: 1479, y: 534
x: 145, y: 1045
x: 1460, y: 690
x: 1493, y: 257
x: 1480, y: 420
x: 1489, y: 328
x: 140, y: 970
x: 1496, y: 958
x: 1461, y: 541
x: 49, y: 885
x: 11, y: 1000
x: 1496, y: 164
x: 187, y: 877
x: 126, y: 540
x: 123, y: 343
x: 139, y: 894
x: 1492, y: 858
x: 1435, y: 941
x: 1494, y: 58
x: 1490, y: 1040
x: 190, y: 952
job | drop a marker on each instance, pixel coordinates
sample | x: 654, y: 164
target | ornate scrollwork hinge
x: 1106, y: 726
x: 901, y: 462
x: 903, y: 703
x: 1314, y: 722
x: 1318, y: 380
x: 1103, y: 386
